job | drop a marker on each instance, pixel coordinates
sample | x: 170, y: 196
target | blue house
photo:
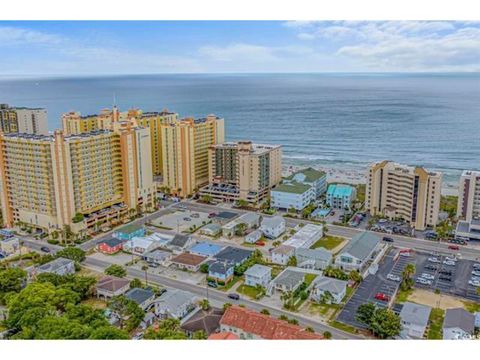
x: 221, y: 272
x: 128, y: 232
x: 340, y: 196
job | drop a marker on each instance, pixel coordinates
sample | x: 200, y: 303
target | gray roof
x: 258, y: 270
x: 233, y: 254
x: 415, y: 313
x: 248, y: 217
x: 179, y: 240
x: 315, y: 254
x: 139, y: 295
x: 157, y: 255
x: 213, y: 227
x: 459, y: 318
x: 272, y: 221
x: 220, y: 267
x: 289, y: 278
x: 54, y: 265
x: 331, y: 285
x: 172, y: 299
x: 361, y: 245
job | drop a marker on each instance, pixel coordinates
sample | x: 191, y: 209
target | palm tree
x: 145, y: 268
x: 407, y: 275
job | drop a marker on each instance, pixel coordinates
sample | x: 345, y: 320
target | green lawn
x: 361, y: 192
x: 436, y: 322
x: 328, y: 242
x: 250, y: 291
x: 472, y: 307
x: 230, y: 284
x: 403, y: 295
x: 309, y: 278
x: 342, y: 326
x: 324, y: 309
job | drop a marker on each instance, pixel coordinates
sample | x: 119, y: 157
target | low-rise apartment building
x: 243, y: 171
x: 404, y: 192
x: 341, y: 196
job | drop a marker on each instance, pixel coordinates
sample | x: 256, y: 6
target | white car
x: 449, y: 263
x: 450, y: 259
x: 475, y: 278
x: 424, y: 281
x: 393, y: 277
x: 476, y: 273
x: 428, y: 276
x: 433, y: 260
x: 474, y: 283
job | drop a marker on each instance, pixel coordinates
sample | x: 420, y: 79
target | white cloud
x: 238, y: 52
x: 17, y: 36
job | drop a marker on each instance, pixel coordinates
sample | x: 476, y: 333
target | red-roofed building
x: 223, y: 336
x: 248, y: 324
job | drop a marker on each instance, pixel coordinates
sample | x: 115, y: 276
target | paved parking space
x: 181, y: 220
x: 373, y: 284
x: 459, y: 276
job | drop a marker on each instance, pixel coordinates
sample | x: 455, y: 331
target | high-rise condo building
x: 185, y: 147
x: 74, y: 123
x: 23, y: 120
x: 468, y: 206
x: 400, y: 191
x: 243, y: 171
x: 84, y: 181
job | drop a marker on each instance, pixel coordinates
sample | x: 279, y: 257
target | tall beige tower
x: 468, y: 206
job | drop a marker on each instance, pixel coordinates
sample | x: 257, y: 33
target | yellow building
x: 243, y: 171
x: 185, y: 147
x: 84, y: 181
x: 74, y: 123
x: 23, y: 120
x: 399, y: 191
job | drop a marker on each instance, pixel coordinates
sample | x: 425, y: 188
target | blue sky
x: 105, y: 47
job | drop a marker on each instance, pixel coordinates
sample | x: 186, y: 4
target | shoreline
x: 354, y: 177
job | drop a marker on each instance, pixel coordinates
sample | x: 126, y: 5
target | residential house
x: 179, y: 243
x: 273, y: 227
x: 110, y: 286
x: 143, y: 297
x: 187, y: 261
x: 318, y: 259
x: 221, y: 272
x: 9, y: 245
x: 223, y: 336
x: 458, y: 324
x: 281, y: 254
x: 148, y: 320
x: 340, y: 196
x: 157, y: 256
x: 288, y: 280
x: 336, y: 288
x: 59, y: 266
x: 110, y: 246
x: 202, y: 320
x: 174, y: 303
x: 205, y: 249
x: 356, y: 254
x: 414, y: 318
x: 129, y: 232
x: 306, y: 236
x: 140, y: 245
x: 211, y: 230
x: 258, y: 275
x: 233, y: 255
x: 248, y: 324
x: 253, y: 236
x: 250, y: 220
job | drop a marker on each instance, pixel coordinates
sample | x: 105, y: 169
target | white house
x: 59, y: 266
x: 140, y: 245
x: 336, y: 288
x: 292, y: 195
x: 258, y: 275
x: 288, y: 280
x: 281, y: 254
x: 315, y: 178
x: 306, y: 236
x: 174, y: 303
x: 273, y: 227
x: 458, y: 324
x: 253, y: 237
x: 358, y: 251
x: 318, y: 259
x: 414, y: 318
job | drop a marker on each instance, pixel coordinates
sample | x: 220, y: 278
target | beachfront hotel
x: 468, y: 207
x: 23, y: 120
x: 400, y: 191
x: 84, y: 181
x: 243, y: 171
x: 185, y: 147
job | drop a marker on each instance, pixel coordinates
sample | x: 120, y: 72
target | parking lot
x: 374, y: 284
x: 181, y: 220
x: 452, y: 280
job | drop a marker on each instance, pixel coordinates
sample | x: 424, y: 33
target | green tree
x: 355, y: 276
x: 385, y: 323
x: 72, y: 253
x: 242, y: 203
x: 168, y: 329
x: 365, y: 313
x: 82, y: 285
x: 108, y: 333
x: 309, y: 329
x: 204, y: 268
x: 407, y: 277
x: 11, y: 280
x: 240, y: 229
x: 292, y: 261
x: 199, y: 335
x: 129, y: 313
x: 206, y: 199
x: 205, y: 304
x: 327, y: 335
x: 136, y: 283
x: 116, y: 270
x: 265, y: 312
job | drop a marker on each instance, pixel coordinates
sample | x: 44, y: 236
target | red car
x: 260, y: 243
x: 381, y: 297
x: 453, y: 247
x: 212, y: 215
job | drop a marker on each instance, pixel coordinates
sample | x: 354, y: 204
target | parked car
x: 393, y: 277
x: 428, y: 276
x: 453, y: 247
x: 387, y: 239
x: 212, y: 215
x: 475, y: 278
x: 187, y: 219
x: 445, y: 272
x: 431, y: 267
x: 450, y: 258
x: 212, y: 284
x: 449, y: 263
x: 45, y: 249
x: 474, y: 283
x: 382, y: 297
x: 234, y: 296
x: 434, y: 260
x: 423, y: 281
x: 476, y: 273
x: 195, y: 215
x: 445, y: 278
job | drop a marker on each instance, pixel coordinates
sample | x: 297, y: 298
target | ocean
x: 340, y: 121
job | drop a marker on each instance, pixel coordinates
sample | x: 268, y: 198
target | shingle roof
x: 189, y: 259
x: 283, y: 249
x: 315, y: 254
x: 112, y: 242
x: 112, y: 283
x: 264, y: 326
x: 54, y: 265
x: 233, y: 254
x: 139, y: 295
x: 459, y: 318
x: 289, y: 278
x: 331, y: 285
x: 258, y: 270
x: 415, y: 313
x: 219, y: 267
x: 361, y: 245
x: 172, y: 299
x: 206, y: 320
x: 179, y: 240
